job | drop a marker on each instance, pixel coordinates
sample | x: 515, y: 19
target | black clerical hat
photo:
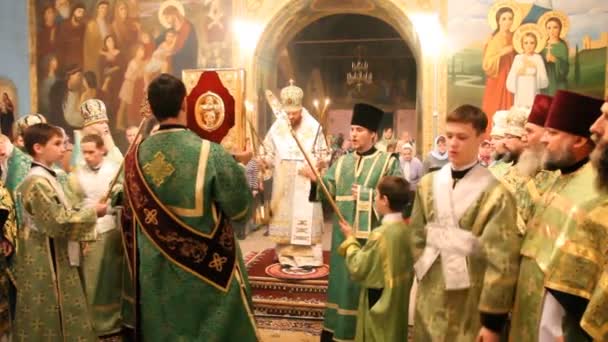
x: 367, y: 116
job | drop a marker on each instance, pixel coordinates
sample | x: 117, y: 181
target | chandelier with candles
x: 359, y: 74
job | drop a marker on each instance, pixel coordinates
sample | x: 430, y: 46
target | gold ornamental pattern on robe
x: 286, y: 158
x: 210, y: 182
x: 365, y: 171
x: 194, y: 252
x: 454, y: 315
x: 384, y: 262
x: 51, y: 304
x: 562, y: 207
x: 579, y: 269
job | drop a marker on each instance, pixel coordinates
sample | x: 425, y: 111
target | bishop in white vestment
x: 95, y: 121
x: 296, y: 224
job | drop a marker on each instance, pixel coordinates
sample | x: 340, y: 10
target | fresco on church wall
x: 112, y: 49
x: 8, y: 106
x: 503, y: 53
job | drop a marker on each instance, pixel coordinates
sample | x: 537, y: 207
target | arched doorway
x: 292, y: 19
x: 322, y: 54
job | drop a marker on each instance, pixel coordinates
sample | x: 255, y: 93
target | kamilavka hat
x: 573, y: 113
x: 367, y: 116
x: 540, y: 109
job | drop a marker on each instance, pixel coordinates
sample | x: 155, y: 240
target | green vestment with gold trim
x: 9, y: 234
x: 595, y: 318
x: 578, y: 269
x: 19, y: 164
x: 383, y: 264
x: 556, y: 215
x: 365, y: 171
x: 51, y: 304
x: 527, y: 191
x: 454, y: 315
x: 500, y: 168
x: 194, y: 180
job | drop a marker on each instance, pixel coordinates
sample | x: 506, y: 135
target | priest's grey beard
x: 599, y: 159
x: 559, y: 160
x: 530, y: 161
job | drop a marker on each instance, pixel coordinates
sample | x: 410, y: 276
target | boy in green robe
x: 465, y: 242
x: 383, y: 266
x: 51, y: 304
x: 351, y: 181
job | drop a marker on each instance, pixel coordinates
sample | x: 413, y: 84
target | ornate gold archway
x: 297, y: 14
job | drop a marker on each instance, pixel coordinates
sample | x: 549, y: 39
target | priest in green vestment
x: 383, y: 267
x: 525, y: 179
x: 184, y: 192
x: 465, y: 242
x: 513, y: 144
x: 51, y: 304
x: 528, y: 177
x: 538, y: 314
x: 501, y: 157
x: 351, y: 182
x: 577, y: 274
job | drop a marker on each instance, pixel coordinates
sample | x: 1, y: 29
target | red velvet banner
x: 211, y: 108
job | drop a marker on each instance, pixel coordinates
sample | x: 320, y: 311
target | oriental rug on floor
x: 295, y: 304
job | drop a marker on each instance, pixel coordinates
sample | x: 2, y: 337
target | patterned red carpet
x: 286, y: 304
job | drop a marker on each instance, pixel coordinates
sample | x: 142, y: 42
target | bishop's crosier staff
x: 145, y: 112
x: 273, y: 102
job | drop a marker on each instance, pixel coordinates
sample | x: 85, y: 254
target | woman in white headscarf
x: 410, y: 165
x: 437, y: 157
